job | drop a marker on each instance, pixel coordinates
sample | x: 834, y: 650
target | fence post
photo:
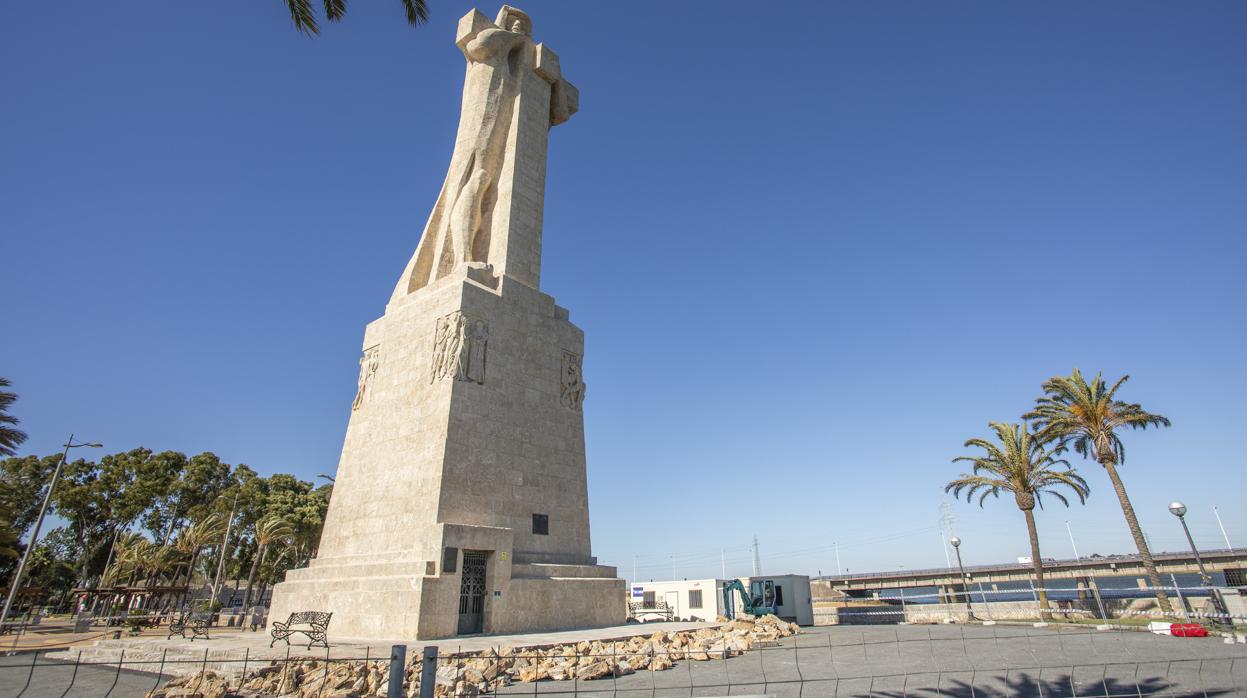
x: 428, y: 672
x: 398, y: 661
x: 1181, y: 601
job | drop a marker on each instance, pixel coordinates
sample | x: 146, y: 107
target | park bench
x: 659, y: 609
x: 313, y: 624
x: 197, y: 623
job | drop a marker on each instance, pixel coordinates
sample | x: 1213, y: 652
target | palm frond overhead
x: 304, y: 16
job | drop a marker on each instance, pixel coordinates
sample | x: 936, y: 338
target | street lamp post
x: 965, y: 582
x: 1178, y: 509
x: 34, y: 536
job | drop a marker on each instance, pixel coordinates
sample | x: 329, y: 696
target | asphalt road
x: 974, y: 661
x: 52, y: 679
x: 883, y: 661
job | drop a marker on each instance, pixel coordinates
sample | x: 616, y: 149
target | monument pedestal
x: 465, y: 446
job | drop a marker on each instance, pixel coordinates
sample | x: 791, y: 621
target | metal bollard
x: 428, y: 672
x: 398, y: 662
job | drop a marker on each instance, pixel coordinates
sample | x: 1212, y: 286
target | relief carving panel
x: 572, y: 392
x: 368, y: 364
x: 459, y: 345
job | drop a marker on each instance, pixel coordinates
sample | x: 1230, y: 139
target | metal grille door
x: 472, y: 592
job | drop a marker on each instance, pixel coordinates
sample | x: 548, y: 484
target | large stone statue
x: 501, y: 58
x: 461, y: 500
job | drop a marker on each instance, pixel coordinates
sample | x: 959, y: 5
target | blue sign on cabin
x: 638, y: 592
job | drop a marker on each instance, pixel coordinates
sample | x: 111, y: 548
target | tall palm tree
x: 269, y: 530
x: 1020, y: 463
x: 197, y: 537
x: 10, y: 436
x: 305, y: 17
x: 1089, y: 416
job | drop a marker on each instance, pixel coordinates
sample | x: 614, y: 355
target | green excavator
x: 759, y: 605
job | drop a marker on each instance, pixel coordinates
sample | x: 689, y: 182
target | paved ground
x: 973, y: 661
x: 54, y: 679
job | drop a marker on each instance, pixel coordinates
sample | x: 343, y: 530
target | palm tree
x: 1089, y: 416
x: 194, y: 539
x: 10, y: 437
x: 1021, y: 464
x: 305, y: 17
x: 268, y: 531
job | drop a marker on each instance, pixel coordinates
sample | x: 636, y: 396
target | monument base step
x: 397, y: 607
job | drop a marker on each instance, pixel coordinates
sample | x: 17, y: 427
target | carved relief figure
x: 368, y: 364
x: 459, y: 347
x: 573, y: 383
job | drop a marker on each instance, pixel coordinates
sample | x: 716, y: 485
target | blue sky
x: 814, y: 247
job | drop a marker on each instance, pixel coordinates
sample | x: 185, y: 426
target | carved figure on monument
x: 459, y: 344
x: 573, y: 383
x: 500, y: 56
x: 368, y: 364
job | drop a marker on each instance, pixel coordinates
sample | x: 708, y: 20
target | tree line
x: 140, y: 518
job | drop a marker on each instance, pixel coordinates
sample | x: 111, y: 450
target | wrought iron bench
x: 197, y: 623
x: 315, y: 624
x: 660, y: 609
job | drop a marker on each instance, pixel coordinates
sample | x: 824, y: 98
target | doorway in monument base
x: 472, y: 592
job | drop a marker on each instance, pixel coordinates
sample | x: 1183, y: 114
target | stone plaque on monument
x: 461, y: 504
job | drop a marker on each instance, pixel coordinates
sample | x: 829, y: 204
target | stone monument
x: 460, y: 504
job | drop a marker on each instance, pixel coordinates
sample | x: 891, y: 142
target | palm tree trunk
x: 255, y: 567
x: 1037, y: 562
x: 1137, y: 531
x: 190, y: 575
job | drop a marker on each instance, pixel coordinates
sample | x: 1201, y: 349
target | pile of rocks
x: 471, y: 674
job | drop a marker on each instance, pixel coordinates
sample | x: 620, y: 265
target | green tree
x: 49, y: 568
x: 191, y: 496
x: 23, y: 482
x: 269, y: 531
x: 1089, y: 416
x: 10, y: 436
x: 101, y: 499
x: 191, y: 541
x: 1020, y: 463
x: 9, y: 542
x: 304, y: 15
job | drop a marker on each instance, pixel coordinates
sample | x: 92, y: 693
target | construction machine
x: 758, y: 605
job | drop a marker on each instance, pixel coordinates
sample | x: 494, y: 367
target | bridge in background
x: 1231, y: 562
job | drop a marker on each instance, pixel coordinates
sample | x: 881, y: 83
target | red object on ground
x: 1187, y: 630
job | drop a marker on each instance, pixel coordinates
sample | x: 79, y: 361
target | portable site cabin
x: 702, y: 599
